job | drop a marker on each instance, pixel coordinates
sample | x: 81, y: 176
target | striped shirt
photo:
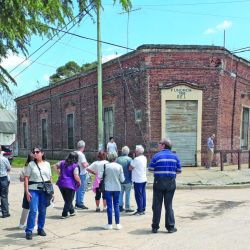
x: 165, y: 164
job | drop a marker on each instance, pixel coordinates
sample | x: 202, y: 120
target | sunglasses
x: 36, y: 152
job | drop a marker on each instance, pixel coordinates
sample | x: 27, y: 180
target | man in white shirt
x: 139, y: 178
x: 82, y: 164
x: 111, y: 146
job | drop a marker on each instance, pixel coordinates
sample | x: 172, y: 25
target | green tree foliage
x: 70, y: 69
x: 20, y: 19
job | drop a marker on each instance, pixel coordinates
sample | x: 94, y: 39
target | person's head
x: 30, y: 157
x: 139, y: 150
x: 213, y: 136
x: 165, y: 143
x: 111, y: 139
x: 125, y: 150
x: 81, y: 145
x: 112, y: 156
x: 71, y: 158
x: 101, y: 156
x: 38, y: 154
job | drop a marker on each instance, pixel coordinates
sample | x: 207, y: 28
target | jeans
x: 38, y: 202
x: 125, y: 188
x: 163, y: 188
x: 68, y: 197
x: 140, y: 196
x: 81, y: 191
x: 4, y: 190
x: 115, y: 196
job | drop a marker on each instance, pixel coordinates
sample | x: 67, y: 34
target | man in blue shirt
x: 165, y: 165
x: 210, y: 151
x: 126, y: 186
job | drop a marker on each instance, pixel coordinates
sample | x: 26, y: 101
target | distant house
x: 184, y: 92
x: 8, y: 127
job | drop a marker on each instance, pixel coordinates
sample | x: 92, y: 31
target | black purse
x: 102, y: 183
x: 47, y: 187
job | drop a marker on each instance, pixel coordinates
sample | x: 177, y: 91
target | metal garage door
x: 181, y: 128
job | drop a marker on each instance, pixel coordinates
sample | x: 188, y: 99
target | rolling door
x: 181, y: 128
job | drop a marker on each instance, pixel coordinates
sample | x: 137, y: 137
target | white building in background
x: 8, y: 127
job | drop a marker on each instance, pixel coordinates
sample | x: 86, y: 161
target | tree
x: 69, y: 69
x: 20, y: 19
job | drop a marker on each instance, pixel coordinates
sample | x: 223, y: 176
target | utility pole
x: 99, y: 80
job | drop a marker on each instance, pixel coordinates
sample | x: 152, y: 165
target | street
x: 205, y: 219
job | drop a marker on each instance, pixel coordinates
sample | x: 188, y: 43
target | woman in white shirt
x: 35, y: 193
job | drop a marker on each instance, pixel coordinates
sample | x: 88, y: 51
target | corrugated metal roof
x: 8, y: 121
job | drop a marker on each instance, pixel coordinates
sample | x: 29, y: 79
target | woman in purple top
x: 68, y: 182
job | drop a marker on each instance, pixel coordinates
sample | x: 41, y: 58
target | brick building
x: 183, y: 92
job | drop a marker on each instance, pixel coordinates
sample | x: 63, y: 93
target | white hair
x: 139, y: 149
x: 125, y: 150
x: 80, y: 144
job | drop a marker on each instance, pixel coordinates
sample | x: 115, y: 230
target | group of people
x: 114, y: 178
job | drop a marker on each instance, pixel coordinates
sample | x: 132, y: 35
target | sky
x: 196, y: 22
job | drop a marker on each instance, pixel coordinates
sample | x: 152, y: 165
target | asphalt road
x: 205, y: 219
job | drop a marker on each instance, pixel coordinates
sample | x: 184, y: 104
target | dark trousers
x: 4, y: 190
x: 163, y: 188
x: 68, y: 197
x: 140, y: 196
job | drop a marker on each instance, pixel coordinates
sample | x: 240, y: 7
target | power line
x: 48, y: 48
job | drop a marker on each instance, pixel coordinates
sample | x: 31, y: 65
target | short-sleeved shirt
x: 139, y: 172
x: 165, y: 164
x: 111, y: 147
x: 4, y: 166
x: 125, y: 161
x: 81, y: 159
x: 98, y: 167
x: 33, y: 173
x: 210, y: 143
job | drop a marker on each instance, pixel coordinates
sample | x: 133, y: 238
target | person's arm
x: 91, y: 168
x: 151, y: 166
x: 121, y: 175
x: 76, y: 176
x: 26, y: 186
x: 178, y: 169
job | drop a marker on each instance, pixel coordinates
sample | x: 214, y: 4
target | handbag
x: 102, y: 182
x: 47, y: 187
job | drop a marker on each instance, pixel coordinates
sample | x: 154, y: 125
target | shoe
x: 65, y: 217
x: 118, y: 227
x: 36, y: 227
x: 81, y: 207
x: 41, y: 232
x: 5, y: 215
x: 21, y: 226
x: 154, y: 230
x: 104, y: 209
x: 108, y: 227
x: 172, y: 230
x: 28, y: 236
x: 72, y: 214
x: 129, y: 210
x: 121, y: 208
x: 98, y: 209
x: 138, y: 213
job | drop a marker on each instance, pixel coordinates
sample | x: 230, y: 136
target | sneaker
x: 129, y: 210
x: 28, y: 236
x: 138, y: 213
x: 108, y: 227
x: 41, y: 232
x: 21, y: 226
x: 104, y: 209
x: 154, y: 230
x: 121, y: 208
x: 36, y: 227
x: 81, y: 207
x: 98, y: 209
x: 73, y: 214
x: 118, y: 227
x: 172, y: 230
x: 65, y: 217
x: 5, y: 215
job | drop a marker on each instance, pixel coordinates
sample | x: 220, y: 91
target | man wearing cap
x: 165, y: 165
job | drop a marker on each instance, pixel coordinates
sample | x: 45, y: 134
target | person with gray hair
x: 82, y: 164
x: 4, y: 184
x: 126, y: 186
x: 139, y: 178
x: 113, y: 176
x: 165, y: 165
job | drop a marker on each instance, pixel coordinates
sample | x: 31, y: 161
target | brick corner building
x: 185, y: 93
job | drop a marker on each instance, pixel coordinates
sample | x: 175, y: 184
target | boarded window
x: 138, y: 115
x: 70, y: 129
x: 244, y: 128
x: 44, y: 133
x: 25, y: 135
x: 108, y: 123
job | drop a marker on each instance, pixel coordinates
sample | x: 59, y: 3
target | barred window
x: 44, y: 133
x: 108, y: 123
x: 244, y: 128
x: 70, y: 130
